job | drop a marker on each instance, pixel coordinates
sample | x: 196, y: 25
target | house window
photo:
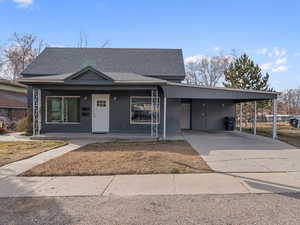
x: 63, y: 109
x: 141, y: 110
x: 101, y: 103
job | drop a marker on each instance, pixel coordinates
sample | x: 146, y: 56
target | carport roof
x: 177, y: 90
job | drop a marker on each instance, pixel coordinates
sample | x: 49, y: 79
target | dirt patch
x: 125, y: 158
x: 11, y: 151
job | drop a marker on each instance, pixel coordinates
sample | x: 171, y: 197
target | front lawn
x: 11, y: 151
x: 125, y: 158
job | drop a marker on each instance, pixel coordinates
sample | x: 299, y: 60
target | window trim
x: 130, y: 112
x: 46, y: 110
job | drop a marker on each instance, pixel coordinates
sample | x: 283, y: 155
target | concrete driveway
x: 241, y: 152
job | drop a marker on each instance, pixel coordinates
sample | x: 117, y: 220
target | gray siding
x: 173, y: 116
x: 209, y: 115
x: 119, y: 112
x: 90, y: 76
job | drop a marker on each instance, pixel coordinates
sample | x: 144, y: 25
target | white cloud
x: 266, y: 66
x: 24, y: 3
x: 277, y: 52
x: 195, y: 58
x: 280, y: 69
x: 217, y: 48
x: 281, y: 61
x: 262, y: 51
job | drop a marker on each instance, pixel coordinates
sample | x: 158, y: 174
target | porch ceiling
x: 175, y: 90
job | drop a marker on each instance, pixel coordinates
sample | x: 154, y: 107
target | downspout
x: 165, y: 117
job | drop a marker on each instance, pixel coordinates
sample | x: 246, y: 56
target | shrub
x: 22, y: 125
x: 3, y: 131
x: 29, y: 127
x: 25, y: 124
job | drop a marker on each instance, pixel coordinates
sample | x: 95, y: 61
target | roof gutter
x: 221, y: 88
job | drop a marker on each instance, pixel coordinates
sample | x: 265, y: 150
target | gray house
x: 115, y: 90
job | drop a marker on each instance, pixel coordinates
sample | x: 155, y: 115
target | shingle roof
x: 116, y: 77
x: 155, y: 62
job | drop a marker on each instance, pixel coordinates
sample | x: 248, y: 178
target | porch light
x: 115, y: 98
x: 85, y: 98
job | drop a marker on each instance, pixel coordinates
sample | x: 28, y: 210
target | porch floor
x: 102, y: 137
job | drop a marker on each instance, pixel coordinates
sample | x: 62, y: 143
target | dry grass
x: 286, y: 132
x: 11, y: 151
x: 125, y: 158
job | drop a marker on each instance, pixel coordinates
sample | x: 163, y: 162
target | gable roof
x: 109, y: 78
x: 149, y: 62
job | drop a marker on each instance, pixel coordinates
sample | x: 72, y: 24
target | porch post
x: 255, y: 118
x: 274, y: 119
x: 241, y: 117
x: 165, y: 117
x: 36, y: 111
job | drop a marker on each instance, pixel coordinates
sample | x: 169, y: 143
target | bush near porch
x: 125, y: 158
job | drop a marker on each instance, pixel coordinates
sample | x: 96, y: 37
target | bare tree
x: 290, y: 99
x: 22, y: 50
x: 105, y: 44
x: 83, y: 41
x: 206, y: 70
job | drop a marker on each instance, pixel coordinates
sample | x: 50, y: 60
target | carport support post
x: 255, y: 118
x: 165, y: 117
x: 274, y: 118
x: 241, y: 116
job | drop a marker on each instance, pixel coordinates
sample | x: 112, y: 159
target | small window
x: 141, y: 111
x: 101, y: 103
x: 63, y: 109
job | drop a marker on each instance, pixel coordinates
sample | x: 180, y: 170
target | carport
x: 204, y: 108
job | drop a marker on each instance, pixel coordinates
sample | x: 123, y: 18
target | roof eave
x: 223, y: 88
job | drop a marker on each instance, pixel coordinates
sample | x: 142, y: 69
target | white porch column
x: 36, y: 111
x: 165, y: 118
x: 274, y: 119
x: 241, y: 117
x: 255, y: 118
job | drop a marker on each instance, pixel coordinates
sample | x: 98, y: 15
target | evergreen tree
x: 243, y: 73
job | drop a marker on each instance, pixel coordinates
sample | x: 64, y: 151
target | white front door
x: 100, y: 121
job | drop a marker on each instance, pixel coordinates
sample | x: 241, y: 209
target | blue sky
x: 267, y: 30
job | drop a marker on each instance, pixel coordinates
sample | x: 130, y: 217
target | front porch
x: 102, y: 112
x: 102, y: 137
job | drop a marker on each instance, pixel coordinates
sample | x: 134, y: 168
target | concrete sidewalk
x: 161, y: 184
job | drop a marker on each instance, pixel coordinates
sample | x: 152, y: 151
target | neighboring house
x: 13, y: 100
x: 99, y: 90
